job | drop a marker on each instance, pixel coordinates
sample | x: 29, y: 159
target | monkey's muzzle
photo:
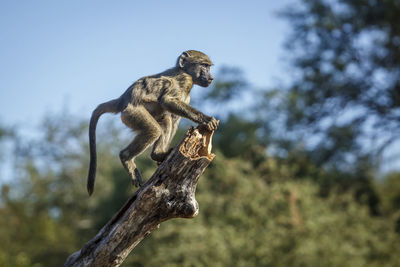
x: 206, y: 82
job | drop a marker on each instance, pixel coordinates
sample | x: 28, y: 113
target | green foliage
x: 243, y: 221
x: 236, y: 136
x: 346, y: 87
x: 286, y: 208
x: 255, y: 210
x: 389, y: 191
x: 340, y: 109
x: 45, y: 212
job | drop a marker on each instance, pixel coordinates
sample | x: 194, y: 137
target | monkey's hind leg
x: 148, y: 131
x: 160, y: 149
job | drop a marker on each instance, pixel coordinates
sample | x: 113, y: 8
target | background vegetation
x: 296, y: 180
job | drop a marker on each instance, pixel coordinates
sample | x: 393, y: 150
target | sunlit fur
x: 152, y: 108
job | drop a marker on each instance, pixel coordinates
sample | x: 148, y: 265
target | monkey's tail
x: 112, y: 106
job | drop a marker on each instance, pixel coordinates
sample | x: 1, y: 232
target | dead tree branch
x: 169, y: 193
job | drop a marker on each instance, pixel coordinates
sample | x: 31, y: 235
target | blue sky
x: 77, y: 54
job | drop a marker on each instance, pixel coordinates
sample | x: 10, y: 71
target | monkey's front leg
x: 182, y: 109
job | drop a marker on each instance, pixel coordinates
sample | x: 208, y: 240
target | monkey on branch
x: 152, y: 107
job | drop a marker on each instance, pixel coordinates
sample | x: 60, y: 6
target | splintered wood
x: 197, y: 144
x: 169, y: 193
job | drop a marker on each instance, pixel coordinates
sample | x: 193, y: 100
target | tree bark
x: 169, y: 193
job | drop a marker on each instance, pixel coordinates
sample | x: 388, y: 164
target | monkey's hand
x: 211, y: 123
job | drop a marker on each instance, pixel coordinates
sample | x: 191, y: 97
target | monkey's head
x: 197, y: 65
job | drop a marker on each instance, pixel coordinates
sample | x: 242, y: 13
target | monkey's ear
x: 182, y: 58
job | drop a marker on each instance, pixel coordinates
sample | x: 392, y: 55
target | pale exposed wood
x: 169, y: 193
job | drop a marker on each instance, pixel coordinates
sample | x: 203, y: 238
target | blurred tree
x: 233, y: 101
x: 256, y: 210
x: 389, y: 191
x: 251, y: 214
x: 226, y: 94
x: 246, y: 222
x: 45, y: 211
x: 237, y: 136
x: 344, y: 97
x: 6, y: 133
x: 3, y: 132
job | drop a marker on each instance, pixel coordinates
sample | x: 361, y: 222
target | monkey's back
x: 149, y: 90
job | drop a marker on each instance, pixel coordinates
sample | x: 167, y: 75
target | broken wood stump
x: 169, y: 193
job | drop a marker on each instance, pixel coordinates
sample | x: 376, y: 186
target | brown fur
x: 152, y: 108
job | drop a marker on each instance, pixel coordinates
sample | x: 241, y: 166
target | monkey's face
x: 200, y: 73
x: 197, y: 65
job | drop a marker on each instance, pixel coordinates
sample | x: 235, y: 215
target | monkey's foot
x: 137, y: 178
x: 160, y: 157
x: 133, y: 172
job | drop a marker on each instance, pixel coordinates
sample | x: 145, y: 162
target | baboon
x: 152, y: 107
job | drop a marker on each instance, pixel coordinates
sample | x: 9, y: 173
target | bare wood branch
x: 169, y: 193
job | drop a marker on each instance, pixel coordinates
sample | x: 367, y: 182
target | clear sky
x: 77, y: 54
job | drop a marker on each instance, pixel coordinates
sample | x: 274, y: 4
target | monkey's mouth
x: 205, y: 82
